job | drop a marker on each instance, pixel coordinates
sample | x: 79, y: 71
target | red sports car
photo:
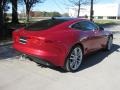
x: 61, y: 41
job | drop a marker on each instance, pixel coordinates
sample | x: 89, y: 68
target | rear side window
x: 44, y: 24
x: 85, y: 25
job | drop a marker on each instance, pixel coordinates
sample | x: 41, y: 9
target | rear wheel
x: 109, y: 44
x: 74, y: 59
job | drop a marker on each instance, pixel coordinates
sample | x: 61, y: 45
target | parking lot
x: 100, y: 71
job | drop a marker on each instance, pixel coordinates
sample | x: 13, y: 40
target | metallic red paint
x: 53, y: 45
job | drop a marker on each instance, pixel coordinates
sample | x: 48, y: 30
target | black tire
x: 74, y: 59
x: 109, y: 43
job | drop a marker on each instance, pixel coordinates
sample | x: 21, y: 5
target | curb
x: 6, y: 43
x: 116, y: 32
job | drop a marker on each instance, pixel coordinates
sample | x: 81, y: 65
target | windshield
x: 44, y: 24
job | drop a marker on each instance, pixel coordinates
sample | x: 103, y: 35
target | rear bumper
x: 53, y: 58
x: 40, y: 61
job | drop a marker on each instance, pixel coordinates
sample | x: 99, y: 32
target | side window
x: 85, y: 25
x: 95, y: 27
x: 76, y: 26
x: 88, y: 26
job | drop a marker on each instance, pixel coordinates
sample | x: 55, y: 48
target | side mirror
x: 101, y: 28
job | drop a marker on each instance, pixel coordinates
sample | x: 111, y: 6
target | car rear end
x: 37, y: 41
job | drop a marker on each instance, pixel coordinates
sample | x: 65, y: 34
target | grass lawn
x: 107, y: 22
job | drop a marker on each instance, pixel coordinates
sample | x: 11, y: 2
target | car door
x: 87, y: 35
x: 101, y: 37
x: 90, y: 29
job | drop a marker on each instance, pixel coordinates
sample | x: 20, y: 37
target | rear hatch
x: 29, y: 38
x: 38, y: 33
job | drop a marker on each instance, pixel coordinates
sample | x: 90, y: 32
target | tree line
x: 44, y: 14
x: 28, y: 4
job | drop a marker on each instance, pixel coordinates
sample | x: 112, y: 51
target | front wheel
x: 109, y: 43
x: 74, y: 59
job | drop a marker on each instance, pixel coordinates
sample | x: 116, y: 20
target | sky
x: 61, y: 5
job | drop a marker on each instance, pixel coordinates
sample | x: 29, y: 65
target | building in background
x: 101, y: 11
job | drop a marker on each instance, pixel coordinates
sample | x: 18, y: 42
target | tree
x: 91, y: 11
x: 6, y: 7
x: 3, y: 27
x: 56, y: 14
x: 78, y: 3
x: 1, y: 18
x: 65, y: 15
x: 29, y: 4
x: 14, y: 11
x: 1, y: 13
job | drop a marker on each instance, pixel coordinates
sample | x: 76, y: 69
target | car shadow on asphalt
x: 7, y: 52
x: 92, y: 59
x: 98, y: 57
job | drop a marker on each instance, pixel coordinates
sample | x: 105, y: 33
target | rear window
x: 44, y: 24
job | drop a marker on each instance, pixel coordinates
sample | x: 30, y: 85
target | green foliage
x: 56, y: 14
x: 65, y: 15
x: 106, y: 22
x: 44, y: 14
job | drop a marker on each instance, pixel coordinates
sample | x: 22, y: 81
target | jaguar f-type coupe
x: 61, y: 41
